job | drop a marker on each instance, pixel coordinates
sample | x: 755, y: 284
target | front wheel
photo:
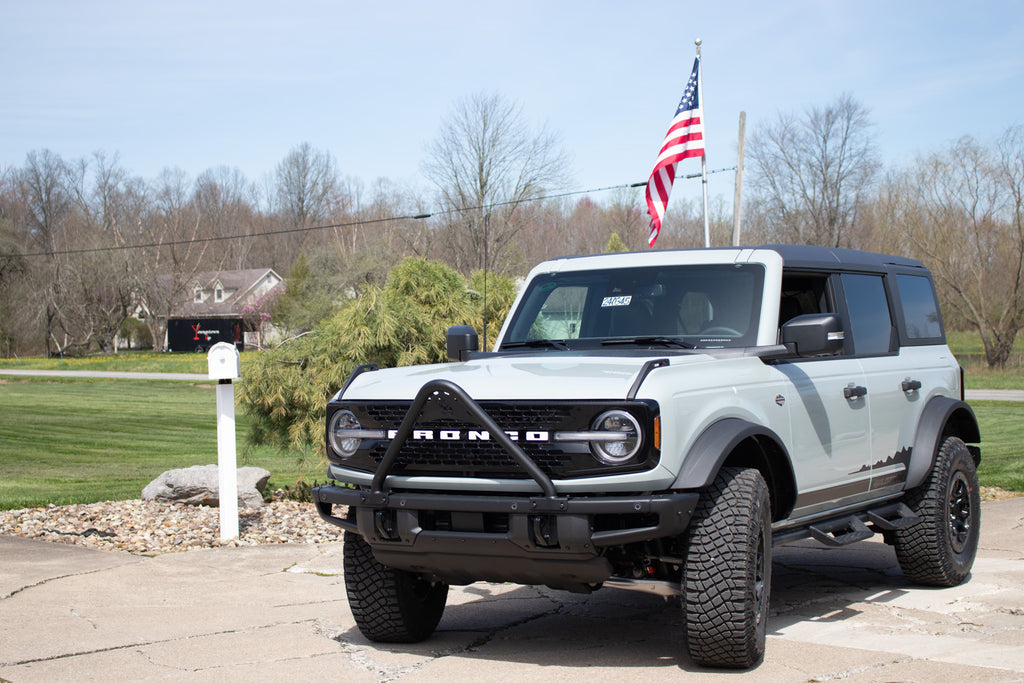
x: 940, y: 550
x: 728, y: 569
x: 389, y: 605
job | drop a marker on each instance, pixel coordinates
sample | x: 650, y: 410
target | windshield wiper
x: 652, y: 340
x: 536, y: 343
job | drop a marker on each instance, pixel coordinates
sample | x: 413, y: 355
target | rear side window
x: 870, y: 320
x: 920, y: 309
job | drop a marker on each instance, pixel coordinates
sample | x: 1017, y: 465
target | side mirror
x: 460, y: 340
x: 815, y: 334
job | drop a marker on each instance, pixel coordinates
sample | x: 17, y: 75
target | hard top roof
x: 799, y: 256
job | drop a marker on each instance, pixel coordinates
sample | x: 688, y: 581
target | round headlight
x: 623, y: 440
x: 343, y: 423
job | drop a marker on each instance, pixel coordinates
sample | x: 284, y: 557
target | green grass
x: 125, y: 361
x: 82, y: 441
x: 1002, y: 433
x: 970, y: 352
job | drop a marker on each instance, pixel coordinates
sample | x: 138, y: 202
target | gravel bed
x: 151, y: 528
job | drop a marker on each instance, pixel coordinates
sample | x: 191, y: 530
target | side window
x: 870, y: 320
x: 920, y: 309
x: 803, y: 294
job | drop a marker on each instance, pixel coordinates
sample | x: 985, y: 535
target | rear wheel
x: 727, y: 575
x: 389, y: 605
x: 940, y: 550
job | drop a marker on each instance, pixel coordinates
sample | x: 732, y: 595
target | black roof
x: 808, y: 257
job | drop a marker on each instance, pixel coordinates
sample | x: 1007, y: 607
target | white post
x: 227, y: 472
x: 225, y: 367
x: 704, y: 158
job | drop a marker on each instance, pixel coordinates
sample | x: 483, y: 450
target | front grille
x: 474, y: 459
x: 458, y: 458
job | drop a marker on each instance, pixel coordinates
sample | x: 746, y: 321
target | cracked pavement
x: 276, y: 611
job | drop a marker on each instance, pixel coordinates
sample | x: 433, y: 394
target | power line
x: 349, y: 224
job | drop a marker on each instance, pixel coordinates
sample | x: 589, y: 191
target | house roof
x: 240, y: 287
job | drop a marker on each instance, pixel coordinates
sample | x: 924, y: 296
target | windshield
x: 705, y: 306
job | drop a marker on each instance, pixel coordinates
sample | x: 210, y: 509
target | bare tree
x: 308, y: 192
x: 485, y: 162
x: 225, y: 202
x: 167, y: 253
x: 960, y: 211
x: 811, y: 174
x: 49, y: 207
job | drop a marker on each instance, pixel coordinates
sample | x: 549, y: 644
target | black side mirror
x: 460, y: 340
x: 814, y: 334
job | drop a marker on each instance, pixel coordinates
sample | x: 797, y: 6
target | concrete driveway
x: 279, y: 611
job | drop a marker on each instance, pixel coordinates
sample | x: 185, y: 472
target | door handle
x: 910, y: 385
x: 854, y: 391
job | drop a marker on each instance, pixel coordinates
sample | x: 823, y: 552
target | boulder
x: 199, y: 485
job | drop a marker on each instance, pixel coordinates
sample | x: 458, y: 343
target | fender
x: 716, y: 443
x: 940, y: 413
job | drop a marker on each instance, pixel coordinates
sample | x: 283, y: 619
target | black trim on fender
x: 642, y: 375
x: 360, y: 369
x: 930, y: 430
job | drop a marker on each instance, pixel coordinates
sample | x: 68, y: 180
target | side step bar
x: 859, y: 526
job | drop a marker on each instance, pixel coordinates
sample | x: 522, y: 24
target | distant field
x: 81, y: 441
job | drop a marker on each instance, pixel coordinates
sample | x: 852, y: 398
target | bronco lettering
x: 471, y: 435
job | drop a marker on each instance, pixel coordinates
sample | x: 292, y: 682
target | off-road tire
x: 940, y: 550
x: 389, y: 605
x: 727, y: 573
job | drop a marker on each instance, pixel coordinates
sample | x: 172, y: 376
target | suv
x: 657, y: 422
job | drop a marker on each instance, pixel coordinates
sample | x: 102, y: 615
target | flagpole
x: 703, y: 158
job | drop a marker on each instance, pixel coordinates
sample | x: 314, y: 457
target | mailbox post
x: 225, y: 366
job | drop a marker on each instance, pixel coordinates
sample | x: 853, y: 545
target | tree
x: 308, y: 192
x: 811, y: 175
x: 166, y: 250
x: 49, y: 206
x: 484, y: 163
x: 960, y: 212
x: 614, y: 245
x: 402, y: 322
x: 225, y: 202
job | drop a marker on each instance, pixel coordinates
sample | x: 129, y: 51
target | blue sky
x: 199, y: 84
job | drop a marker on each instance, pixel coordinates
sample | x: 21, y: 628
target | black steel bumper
x: 549, y: 539
x: 535, y: 540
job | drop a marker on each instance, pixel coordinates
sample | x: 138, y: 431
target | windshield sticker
x: 610, y: 301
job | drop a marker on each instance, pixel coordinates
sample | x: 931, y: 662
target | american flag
x: 685, y: 138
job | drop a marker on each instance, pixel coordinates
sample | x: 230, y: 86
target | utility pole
x: 737, y: 201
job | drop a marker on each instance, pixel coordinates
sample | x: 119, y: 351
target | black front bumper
x: 554, y: 541
x: 549, y: 539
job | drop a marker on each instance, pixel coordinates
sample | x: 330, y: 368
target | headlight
x: 345, y: 433
x: 622, y: 440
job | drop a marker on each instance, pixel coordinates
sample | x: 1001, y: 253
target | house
x: 225, y: 305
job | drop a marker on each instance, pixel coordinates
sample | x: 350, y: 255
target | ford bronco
x: 658, y: 421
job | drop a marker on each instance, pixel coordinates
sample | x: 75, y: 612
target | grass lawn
x: 1002, y: 433
x: 125, y: 361
x: 82, y: 441
x: 970, y: 352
